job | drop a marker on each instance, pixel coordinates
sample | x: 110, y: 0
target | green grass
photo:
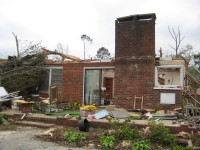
x: 63, y: 113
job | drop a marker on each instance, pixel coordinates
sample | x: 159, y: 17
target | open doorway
x: 98, y: 86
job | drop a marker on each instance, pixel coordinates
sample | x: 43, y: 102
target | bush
x: 161, y: 134
x: 182, y: 148
x: 71, y: 136
x: 107, y: 141
x: 2, y: 117
x: 142, y: 145
x: 125, y: 131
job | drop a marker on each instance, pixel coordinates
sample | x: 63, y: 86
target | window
x: 52, y: 75
x: 169, y: 76
x: 98, y: 85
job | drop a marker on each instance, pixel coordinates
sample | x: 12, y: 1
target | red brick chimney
x: 134, y: 58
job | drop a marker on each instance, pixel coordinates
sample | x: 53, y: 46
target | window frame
x: 175, y: 87
x: 50, y: 68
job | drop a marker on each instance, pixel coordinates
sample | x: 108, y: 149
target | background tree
x: 61, y: 48
x: 197, y: 60
x: 86, y: 40
x: 103, y: 53
x: 187, y: 52
x: 29, y: 48
x: 177, y: 38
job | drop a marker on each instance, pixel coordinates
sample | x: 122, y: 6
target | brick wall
x: 73, y: 79
x: 135, y: 62
x: 135, y: 59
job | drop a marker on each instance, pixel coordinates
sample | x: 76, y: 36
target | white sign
x: 167, y: 98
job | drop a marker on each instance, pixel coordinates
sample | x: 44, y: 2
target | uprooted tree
x: 22, y: 73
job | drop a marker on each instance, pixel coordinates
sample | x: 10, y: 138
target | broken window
x: 169, y: 76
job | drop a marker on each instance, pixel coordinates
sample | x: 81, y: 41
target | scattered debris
x: 110, y: 107
x: 48, y: 132
x: 183, y: 134
x: 160, y: 112
x: 67, y: 116
x: 23, y: 116
x: 124, y: 144
x: 118, y: 114
x: 101, y: 114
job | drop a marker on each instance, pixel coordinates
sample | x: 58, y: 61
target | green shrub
x: 182, y: 148
x: 161, y: 134
x: 125, y: 131
x: 107, y: 141
x: 142, y: 145
x: 72, y: 136
x: 2, y: 117
x: 115, y: 124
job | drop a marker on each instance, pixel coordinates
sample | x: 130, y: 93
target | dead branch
x: 48, y: 52
x: 17, y: 44
x: 177, y: 38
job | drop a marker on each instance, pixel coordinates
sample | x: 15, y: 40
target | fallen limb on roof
x: 48, y: 52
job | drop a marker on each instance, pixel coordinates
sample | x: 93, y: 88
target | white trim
x: 170, y: 66
x: 50, y: 76
x: 55, y: 67
x: 98, y: 68
x: 166, y: 88
x: 157, y: 86
x: 50, y: 73
x: 83, y: 85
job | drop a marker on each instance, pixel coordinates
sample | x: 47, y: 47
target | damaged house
x: 134, y: 74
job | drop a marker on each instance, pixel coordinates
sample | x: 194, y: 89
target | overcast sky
x: 53, y: 21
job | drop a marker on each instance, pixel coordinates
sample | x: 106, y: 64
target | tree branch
x: 17, y: 44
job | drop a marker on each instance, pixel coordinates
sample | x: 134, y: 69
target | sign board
x: 167, y: 98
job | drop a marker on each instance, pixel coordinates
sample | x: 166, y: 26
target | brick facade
x: 73, y: 74
x: 135, y: 62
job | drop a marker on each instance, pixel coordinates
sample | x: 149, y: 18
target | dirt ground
x: 56, y: 135
x: 28, y: 138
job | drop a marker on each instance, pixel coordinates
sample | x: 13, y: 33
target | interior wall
x: 171, y: 76
x: 109, y: 74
